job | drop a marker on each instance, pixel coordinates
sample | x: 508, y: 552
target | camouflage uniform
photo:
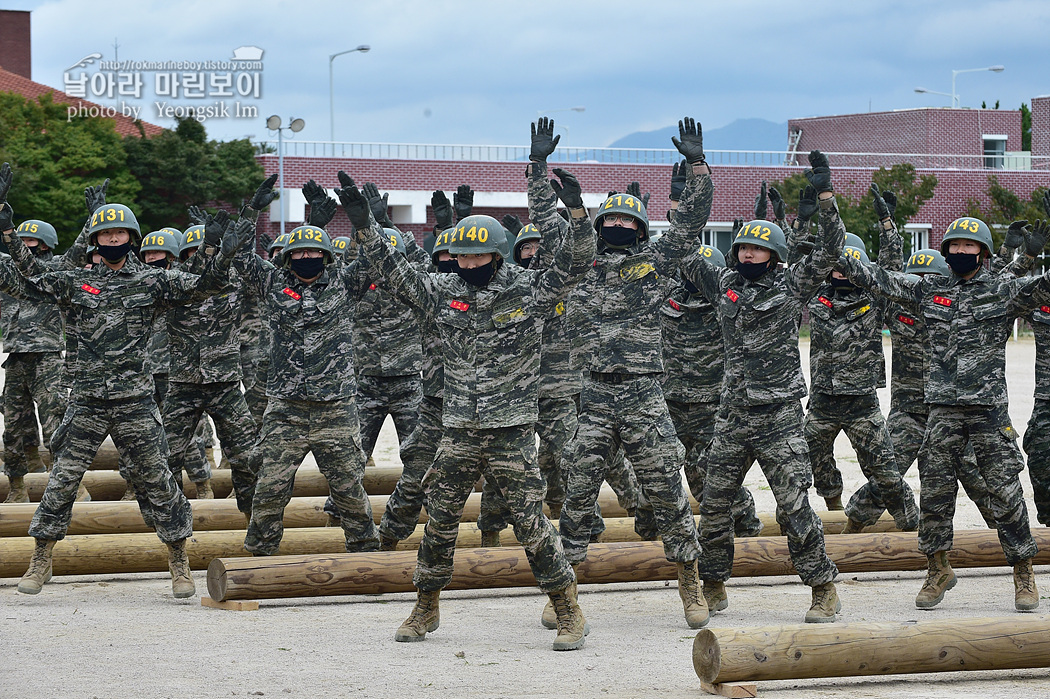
x: 492, y: 338
x: 968, y: 323
x: 205, y: 347
x: 1037, y: 434
x: 692, y: 382
x: 621, y: 402
x: 311, y: 398
x: 846, y: 367
x: 760, y: 416
x: 113, y: 312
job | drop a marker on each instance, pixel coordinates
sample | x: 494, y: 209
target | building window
x: 920, y: 236
x: 994, y: 151
x: 720, y: 237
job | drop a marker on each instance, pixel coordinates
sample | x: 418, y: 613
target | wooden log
x: 376, y: 573
x: 108, y: 485
x: 804, y: 651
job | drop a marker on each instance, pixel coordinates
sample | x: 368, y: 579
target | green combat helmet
x: 41, y: 230
x: 712, y: 255
x: 627, y: 205
x: 854, y: 241
x: 763, y: 234
x: 856, y: 253
x: 396, y: 241
x: 110, y: 216
x: 278, y: 244
x: 527, y: 233
x: 968, y: 228
x: 191, y: 240
x: 165, y: 240
x: 343, y: 246
x: 307, y: 238
x: 476, y: 235
x: 927, y: 261
x: 441, y: 242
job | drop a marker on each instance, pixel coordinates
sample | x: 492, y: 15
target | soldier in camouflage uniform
x: 846, y: 367
x: 490, y: 318
x: 113, y: 307
x: 622, y: 403
x: 969, y: 316
x: 760, y: 416
x: 255, y: 395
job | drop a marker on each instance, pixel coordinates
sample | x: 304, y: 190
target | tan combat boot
x: 1026, y: 596
x: 425, y: 617
x: 82, y: 493
x: 826, y: 604
x: 571, y: 625
x: 209, y: 454
x: 939, y: 579
x: 19, y: 491
x: 204, y: 491
x: 490, y: 540
x: 39, y: 568
x: 834, y: 502
x: 129, y: 492
x: 549, y: 618
x: 387, y: 543
x: 715, y: 596
x: 35, y: 463
x: 696, y: 614
x: 852, y: 527
x: 179, y: 565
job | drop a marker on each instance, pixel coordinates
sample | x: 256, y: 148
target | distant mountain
x: 742, y: 134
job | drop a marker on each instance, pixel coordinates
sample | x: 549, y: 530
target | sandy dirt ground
x: 124, y: 635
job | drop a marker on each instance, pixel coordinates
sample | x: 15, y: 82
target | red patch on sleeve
x: 674, y: 304
x: 291, y: 292
x: 90, y: 289
x: 906, y: 320
x: 1045, y: 309
x: 595, y: 263
x: 371, y: 287
x: 459, y: 305
x: 940, y: 300
x: 824, y: 301
x: 732, y: 295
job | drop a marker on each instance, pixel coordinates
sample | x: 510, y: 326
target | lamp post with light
x: 954, y: 95
x: 363, y: 48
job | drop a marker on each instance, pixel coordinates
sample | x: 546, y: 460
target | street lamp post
x: 363, y: 48
x: 295, y: 126
x: 953, y: 94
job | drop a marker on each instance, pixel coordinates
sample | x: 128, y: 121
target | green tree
x: 55, y: 158
x: 1004, y: 207
x: 1026, y: 127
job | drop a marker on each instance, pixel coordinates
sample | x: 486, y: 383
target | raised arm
x: 891, y: 245
x: 694, y: 207
x: 179, y: 288
x: 804, y: 278
x: 576, y: 254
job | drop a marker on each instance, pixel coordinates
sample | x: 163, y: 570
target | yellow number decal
x: 629, y: 201
x: 483, y: 235
x: 393, y: 241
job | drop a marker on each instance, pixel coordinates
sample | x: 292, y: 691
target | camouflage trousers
x: 417, y: 454
x: 631, y: 414
x: 136, y: 428
x: 907, y: 430
x: 861, y: 419
x: 184, y: 409
x: 379, y: 396
x: 695, y: 425
x: 255, y: 394
x: 771, y: 434
x: 507, y: 458
x: 1037, y: 447
x: 32, y: 386
x: 999, y: 460
x: 292, y: 429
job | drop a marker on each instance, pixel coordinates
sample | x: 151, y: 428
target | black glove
x: 266, y: 241
x: 882, y: 209
x: 322, y: 212
x: 214, y: 227
x: 463, y: 201
x: 378, y: 203
x: 1016, y: 235
x: 891, y: 201
x: 807, y: 203
x: 237, y: 236
x: 819, y: 174
x: 806, y: 245
x: 612, y: 193
x: 691, y: 144
x: 345, y: 180
x: 95, y: 197
x: 635, y: 190
x: 568, y: 190
x: 1046, y: 202
x: 678, y: 171
x: 442, y: 210
x: 779, y: 207
x: 5, y: 181
x: 354, y: 204
x: 761, y: 208
x: 313, y: 192
x: 7, y: 215
x: 513, y: 224
x: 1035, y: 241
x: 543, y: 140
x: 264, y: 194
x: 738, y: 223
x: 197, y: 215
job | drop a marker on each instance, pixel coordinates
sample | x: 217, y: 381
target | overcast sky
x: 478, y: 71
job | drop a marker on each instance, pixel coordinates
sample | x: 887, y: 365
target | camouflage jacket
x: 615, y: 310
x: 311, y: 350
x: 204, y: 339
x: 911, y: 350
x: 113, y: 312
x: 759, y: 318
x: 1004, y: 263
x: 386, y: 334
x: 693, y: 351
x: 968, y: 322
x: 491, y: 334
x: 845, y: 351
x: 158, y: 358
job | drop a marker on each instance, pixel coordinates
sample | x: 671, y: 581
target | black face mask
x: 447, y: 266
x: 114, y: 253
x: 618, y: 237
x: 162, y: 263
x: 962, y: 263
x: 690, y: 288
x: 526, y: 261
x: 478, y: 276
x: 842, y: 284
x: 307, y: 267
x: 40, y: 252
x: 752, y: 271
